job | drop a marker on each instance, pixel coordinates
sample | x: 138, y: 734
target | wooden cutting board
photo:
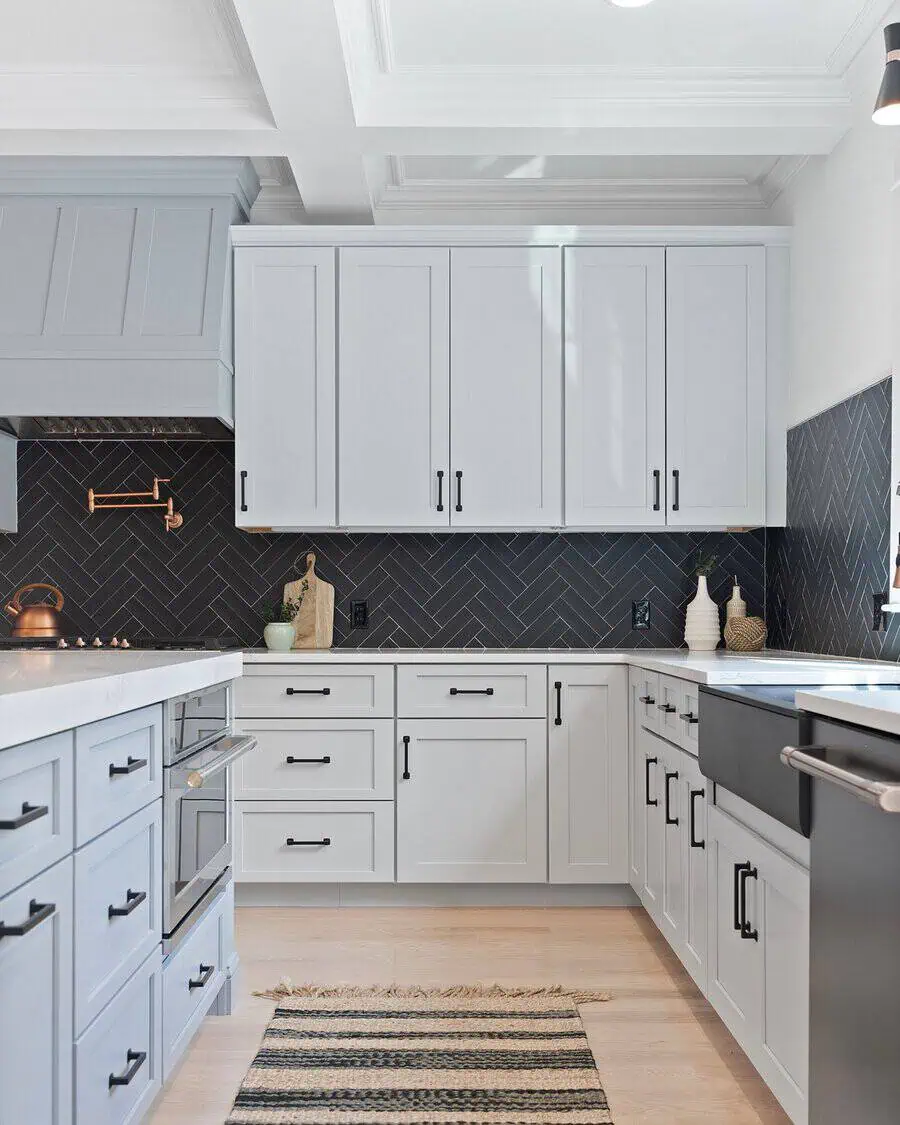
x: 314, y: 621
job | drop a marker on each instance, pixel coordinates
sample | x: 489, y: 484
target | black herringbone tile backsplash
x: 122, y: 573
x: 826, y: 565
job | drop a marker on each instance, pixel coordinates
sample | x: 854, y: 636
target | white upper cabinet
x: 506, y: 387
x: 716, y: 385
x: 9, y: 492
x: 285, y: 456
x: 615, y: 387
x: 394, y: 387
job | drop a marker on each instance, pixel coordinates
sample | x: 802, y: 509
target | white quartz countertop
x: 45, y: 692
x: 876, y: 710
x: 706, y: 668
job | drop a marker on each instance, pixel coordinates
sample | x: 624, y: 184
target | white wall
x: 843, y: 295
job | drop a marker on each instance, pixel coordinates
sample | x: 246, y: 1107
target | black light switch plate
x: 359, y: 614
x: 640, y: 614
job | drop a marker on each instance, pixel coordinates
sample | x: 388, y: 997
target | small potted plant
x: 702, y: 631
x: 279, y: 631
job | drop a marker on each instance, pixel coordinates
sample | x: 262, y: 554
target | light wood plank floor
x: 663, y: 1055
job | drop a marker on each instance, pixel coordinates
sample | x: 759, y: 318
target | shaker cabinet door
x: 506, y: 376
x: 615, y: 387
x: 394, y: 387
x: 716, y: 385
x: 284, y: 387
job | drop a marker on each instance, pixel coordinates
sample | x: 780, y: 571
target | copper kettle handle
x: 15, y: 606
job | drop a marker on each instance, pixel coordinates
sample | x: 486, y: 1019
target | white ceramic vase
x: 279, y: 636
x: 702, y: 631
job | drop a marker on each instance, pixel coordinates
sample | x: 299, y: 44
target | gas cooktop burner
x: 121, y: 643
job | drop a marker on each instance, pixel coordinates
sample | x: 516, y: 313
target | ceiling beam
x: 297, y: 51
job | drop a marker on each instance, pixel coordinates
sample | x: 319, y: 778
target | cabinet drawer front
x: 472, y: 691
x: 318, y: 759
x: 648, y: 700
x: 293, y: 691
x: 689, y: 718
x: 118, y: 769
x: 670, y: 698
x: 360, y: 847
x: 118, y: 1063
x: 111, y: 874
x: 192, y: 977
x: 36, y: 992
x: 37, y: 807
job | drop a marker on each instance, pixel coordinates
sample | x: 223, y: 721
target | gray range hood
x: 115, y: 295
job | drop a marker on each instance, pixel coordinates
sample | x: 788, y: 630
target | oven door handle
x: 235, y: 748
x: 882, y: 794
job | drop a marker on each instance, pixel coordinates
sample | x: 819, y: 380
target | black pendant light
x: 887, y: 106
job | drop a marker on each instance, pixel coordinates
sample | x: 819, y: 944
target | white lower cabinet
x: 118, y: 1059
x: 472, y: 801
x: 758, y: 979
x: 650, y: 766
x: 36, y: 991
x: 588, y: 775
x: 693, y: 798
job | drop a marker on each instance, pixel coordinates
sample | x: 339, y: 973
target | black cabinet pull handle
x: 695, y: 843
x: 325, y: 842
x: 738, y: 900
x: 471, y: 691
x: 37, y: 912
x: 689, y: 717
x: 406, y: 757
x: 646, y: 699
x: 323, y: 761
x: 676, y: 481
x: 243, y: 490
x: 670, y: 777
x: 557, y: 687
x: 135, y: 1060
x: 29, y: 814
x: 206, y: 971
x: 307, y: 691
x: 747, y: 931
x: 656, y: 489
x: 648, y: 762
x: 133, y: 764
x: 667, y: 707
x: 459, y: 490
x: 440, y: 503
x: 133, y: 900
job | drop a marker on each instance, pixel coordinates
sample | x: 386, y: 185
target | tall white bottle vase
x: 702, y: 631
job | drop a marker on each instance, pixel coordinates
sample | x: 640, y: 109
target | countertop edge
x: 864, y: 711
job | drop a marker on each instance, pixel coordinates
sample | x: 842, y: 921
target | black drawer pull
x: 37, y: 912
x: 656, y: 483
x: 747, y: 931
x: 243, y: 490
x: 471, y: 691
x: 695, y: 843
x: 670, y: 777
x: 459, y: 490
x: 648, y: 762
x: 689, y: 717
x: 307, y: 691
x: 440, y: 503
x: 29, y: 814
x: 406, y: 757
x: 648, y: 700
x: 292, y: 761
x: 557, y: 687
x: 206, y: 971
x: 738, y: 899
x: 667, y: 707
x: 133, y: 900
x: 325, y: 842
x: 133, y: 765
x: 135, y: 1060
x: 676, y: 480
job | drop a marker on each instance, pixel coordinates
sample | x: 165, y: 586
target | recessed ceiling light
x: 887, y: 107
x: 630, y: 3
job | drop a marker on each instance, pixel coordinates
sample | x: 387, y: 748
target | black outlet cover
x: 359, y: 614
x: 640, y: 614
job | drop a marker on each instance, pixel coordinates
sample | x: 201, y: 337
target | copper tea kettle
x: 40, y: 620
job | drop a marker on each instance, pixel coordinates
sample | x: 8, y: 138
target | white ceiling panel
x: 528, y: 170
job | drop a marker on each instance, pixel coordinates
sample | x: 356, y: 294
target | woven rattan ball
x: 745, y: 634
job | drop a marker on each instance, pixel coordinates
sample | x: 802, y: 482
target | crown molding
x: 780, y: 176
x: 870, y: 16
x: 231, y: 35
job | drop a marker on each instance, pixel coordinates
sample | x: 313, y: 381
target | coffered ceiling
x: 362, y: 109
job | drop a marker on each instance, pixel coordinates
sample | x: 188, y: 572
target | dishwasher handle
x: 231, y: 749
x: 873, y: 789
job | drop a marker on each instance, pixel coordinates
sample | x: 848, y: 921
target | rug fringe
x: 285, y: 989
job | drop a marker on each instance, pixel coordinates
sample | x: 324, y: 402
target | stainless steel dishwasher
x: 854, y: 1067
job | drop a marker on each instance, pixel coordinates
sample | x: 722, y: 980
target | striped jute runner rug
x: 472, y: 1055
